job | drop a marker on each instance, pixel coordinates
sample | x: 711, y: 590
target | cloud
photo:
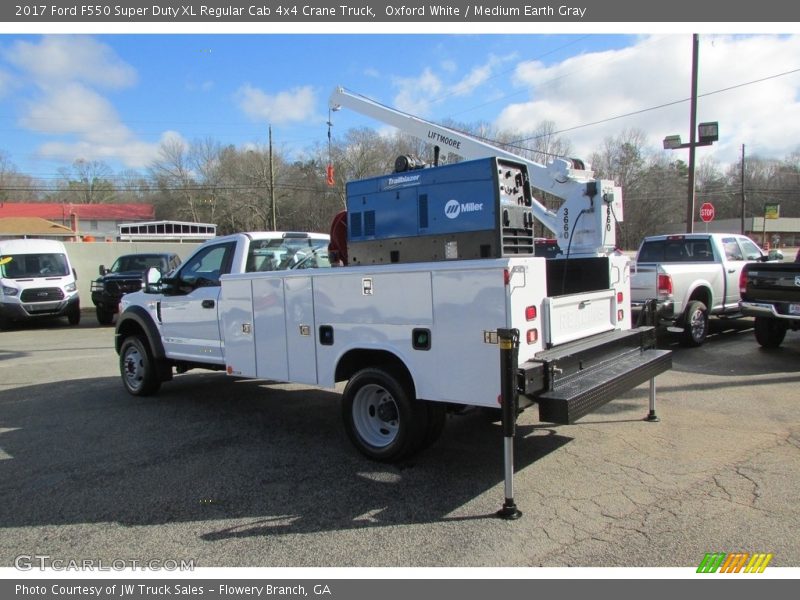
x: 418, y: 95
x: 64, y: 76
x: 58, y: 59
x: 135, y: 154
x: 415, y: 94
x: 292, y: 106
x: 656, y: 72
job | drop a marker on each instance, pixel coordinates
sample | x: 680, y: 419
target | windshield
x: 139, y: 263
x: 676, y: 250
x: 19, y: 266
x: 280, y: 254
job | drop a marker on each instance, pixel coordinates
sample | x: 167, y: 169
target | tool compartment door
x: 237, y: 327
x: 300, y: 330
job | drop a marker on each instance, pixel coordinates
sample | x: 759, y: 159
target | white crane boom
x: 584, y: 223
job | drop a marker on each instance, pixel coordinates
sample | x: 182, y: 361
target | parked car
x: 37, y: 280
x: 691, y: 277
x: 126, y: 275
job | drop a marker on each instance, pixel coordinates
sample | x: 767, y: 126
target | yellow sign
x: 772, y: 211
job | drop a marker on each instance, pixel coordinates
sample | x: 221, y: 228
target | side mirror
x: 775, y: 255
x: 74, y: 274
x: 152, y: 281
x: 102, y: 270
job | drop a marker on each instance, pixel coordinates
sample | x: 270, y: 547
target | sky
x: 116, y: 97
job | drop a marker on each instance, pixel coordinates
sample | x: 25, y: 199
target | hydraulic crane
x: 584, y: 224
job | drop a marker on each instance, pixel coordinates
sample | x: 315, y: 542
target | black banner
x: 387, y: 589
x: 386, y: 11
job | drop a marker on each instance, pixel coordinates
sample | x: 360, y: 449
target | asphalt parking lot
x: 241, y: 473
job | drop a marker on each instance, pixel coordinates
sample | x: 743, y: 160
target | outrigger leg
x: 509, y: 347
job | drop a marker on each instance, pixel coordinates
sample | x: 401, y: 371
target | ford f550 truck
x: 439, y: 285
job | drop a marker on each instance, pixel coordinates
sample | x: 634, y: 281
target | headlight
x: 98, y: 286
x: 9, y: 291
x: 71, y: 287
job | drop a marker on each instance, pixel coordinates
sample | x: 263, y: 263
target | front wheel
x: 695, y: 324
x: 769, y: 332
x: 381, y: 417
x: 137, y: 367
x: 74, y: 315
x: 104, y: 317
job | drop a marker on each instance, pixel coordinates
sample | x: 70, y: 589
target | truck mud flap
x: 573, y: 380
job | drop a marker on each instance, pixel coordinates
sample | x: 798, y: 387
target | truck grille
x: 124, y: 287
x: 42, y: 295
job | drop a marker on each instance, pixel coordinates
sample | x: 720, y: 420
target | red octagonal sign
x: 707, y: 212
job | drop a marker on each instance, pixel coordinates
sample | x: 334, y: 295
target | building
x: 93, y: 221
x: 34, y: 227
x: 783, y: 232
x: 166, y: 231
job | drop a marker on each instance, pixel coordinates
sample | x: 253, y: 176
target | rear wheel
x: 769, y: 332
x: 695, y: 324
x: 137, y: 367
x: 381, y: 417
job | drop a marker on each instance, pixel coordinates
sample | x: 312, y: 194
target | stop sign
x: 707, y: 212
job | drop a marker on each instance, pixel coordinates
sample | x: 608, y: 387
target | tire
x: 437, y: 417
x: 381, y: 417
x: 74, y: 315
x: 695, y: 324
x: 137, y: 367
x: 769, y: 332
x: 104, y: 317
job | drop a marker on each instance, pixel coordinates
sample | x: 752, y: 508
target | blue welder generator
x: 467, y: 210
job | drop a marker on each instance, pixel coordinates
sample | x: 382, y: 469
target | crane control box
x: 467, y: 210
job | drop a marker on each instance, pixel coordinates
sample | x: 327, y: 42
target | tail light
x: 743, y: 282
x: 532, y: 336
x: 530, y: 313
x: 664, y: 285
x: 620, y: 297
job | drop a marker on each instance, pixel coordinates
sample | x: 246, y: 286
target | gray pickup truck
x: 771, y: 294
x: 691, y: 277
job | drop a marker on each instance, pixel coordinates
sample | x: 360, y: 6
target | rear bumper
x: 573, y: 380
x: 765, y: 309
x: 664, y: 311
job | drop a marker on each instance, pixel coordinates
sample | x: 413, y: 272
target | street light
x: 707, y: 134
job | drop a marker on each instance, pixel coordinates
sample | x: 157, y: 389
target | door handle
x: 731, y: 270
x: 207, y: 304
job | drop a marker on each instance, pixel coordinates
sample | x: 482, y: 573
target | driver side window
x: 207, y: 266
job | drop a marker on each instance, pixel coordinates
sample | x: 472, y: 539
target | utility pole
x: 692, y: 134
x: 272, y: 183
x: 743, y: 204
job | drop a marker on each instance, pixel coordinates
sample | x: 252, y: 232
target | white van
x: 37, y: 280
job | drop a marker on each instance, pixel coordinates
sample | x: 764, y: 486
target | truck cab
x: 184, y: 305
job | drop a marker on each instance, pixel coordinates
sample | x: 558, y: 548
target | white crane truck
x: 441, y: 304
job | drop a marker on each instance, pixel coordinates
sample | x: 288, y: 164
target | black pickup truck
x: 125, y: 276
x: 771, y: 293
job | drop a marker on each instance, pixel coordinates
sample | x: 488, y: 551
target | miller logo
x: 454, y: 208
